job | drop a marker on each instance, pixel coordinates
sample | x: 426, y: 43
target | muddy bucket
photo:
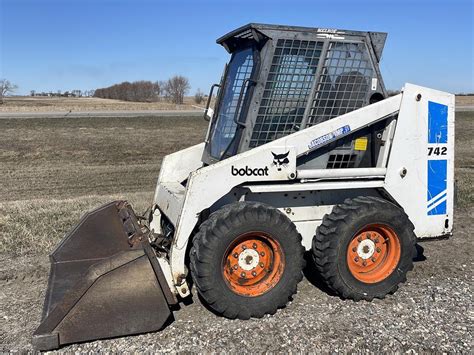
x: 105, y: 281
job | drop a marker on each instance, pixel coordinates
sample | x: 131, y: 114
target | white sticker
x: 329, y: 137
x: 329, y: 36
x: 374, y: 84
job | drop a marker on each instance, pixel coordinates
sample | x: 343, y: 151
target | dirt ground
x: 54, y: 170
x: 66, y: 104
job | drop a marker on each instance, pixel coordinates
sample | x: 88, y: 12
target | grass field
x: 53, y: 170
x: 56, y: 169
x: 465, y: 100
x: 63, y: 104
x: 60, y: 104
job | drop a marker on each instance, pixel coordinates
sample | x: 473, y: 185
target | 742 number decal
x: 437, y: 151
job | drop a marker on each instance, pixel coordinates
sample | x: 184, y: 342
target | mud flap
x: 105, y: 281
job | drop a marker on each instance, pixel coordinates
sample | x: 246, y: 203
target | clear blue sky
x: 85, y: 44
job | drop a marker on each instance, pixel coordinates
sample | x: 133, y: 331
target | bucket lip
x: 44, y: 342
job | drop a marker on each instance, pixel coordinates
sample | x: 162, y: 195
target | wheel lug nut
x: 354, y: 249
x: 261, y: 265
x: 236, y: 255
x: 254, y: 273
x: 236, y: 267
x: 373, y: 260
x: 356, y: 259
x: 254, y: 246
x: 376, y: 240
x: 359, y: 239
x: 244, y: 247
x: 364, y: 263
x: 368, y: 235
x: 243, y: 274
x: 378, y: 250
x: 262, y: 253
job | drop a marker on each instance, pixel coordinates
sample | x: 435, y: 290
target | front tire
x: 364, y: 248
x: 246, y: 260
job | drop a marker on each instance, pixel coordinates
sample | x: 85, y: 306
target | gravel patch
x: 432, y: 312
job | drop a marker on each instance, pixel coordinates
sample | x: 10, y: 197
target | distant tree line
x: 174, y: 89
x: 59, y: 93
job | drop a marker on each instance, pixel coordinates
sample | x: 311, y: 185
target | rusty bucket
x: 105, y: 281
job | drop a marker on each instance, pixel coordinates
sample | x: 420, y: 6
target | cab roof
x: 259, y: 32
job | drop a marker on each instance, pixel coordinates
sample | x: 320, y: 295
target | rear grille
x: 338, y: 161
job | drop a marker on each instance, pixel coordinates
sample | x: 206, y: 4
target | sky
x: 49, y: 45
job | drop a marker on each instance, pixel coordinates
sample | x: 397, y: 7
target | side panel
x: 420, y: 171
x: 177, y: 166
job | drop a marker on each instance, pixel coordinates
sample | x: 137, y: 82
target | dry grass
x: 464, y: 159
x: 60, y: 104
x: 72, y: 157
x: 53, y: 170
x: 465, y: 100
x: 34, y: 227
x: 63, y: 104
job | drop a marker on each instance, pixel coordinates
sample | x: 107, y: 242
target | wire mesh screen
x: 344, y: 82
x: 336, y: 161
x: 287, y: 89
x: 240, y: 69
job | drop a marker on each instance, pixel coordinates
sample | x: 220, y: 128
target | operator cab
x: 281, y: 79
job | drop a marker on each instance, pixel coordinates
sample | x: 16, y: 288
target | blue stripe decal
x: 437, y: 123
x: 437, y: 182
x: 437, y: 199
x: 440, y: 209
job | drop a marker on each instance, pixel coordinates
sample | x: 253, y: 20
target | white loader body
x: 415, y: 170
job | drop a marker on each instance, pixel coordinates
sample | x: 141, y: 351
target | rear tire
x: 246, y: 260
x: 364, y: 248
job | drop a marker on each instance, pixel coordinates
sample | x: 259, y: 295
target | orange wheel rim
x: 373, y: 253
x: 253, y: 264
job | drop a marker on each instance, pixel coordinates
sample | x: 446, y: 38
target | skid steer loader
x: 304, y: 151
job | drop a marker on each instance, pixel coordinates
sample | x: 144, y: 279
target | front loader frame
x: 407, y: 172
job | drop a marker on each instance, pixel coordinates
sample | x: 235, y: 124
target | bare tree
x: 165, y: 93
x: 199, y: 97
x: 77, y: 93
x: 157, y: 88
x: 6, y: 87
x: 177, y: 87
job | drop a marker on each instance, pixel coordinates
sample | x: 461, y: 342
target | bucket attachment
x: 105, y: 281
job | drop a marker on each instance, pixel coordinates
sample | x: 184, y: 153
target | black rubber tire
x: 337, y: 230
x: 210, y: 245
